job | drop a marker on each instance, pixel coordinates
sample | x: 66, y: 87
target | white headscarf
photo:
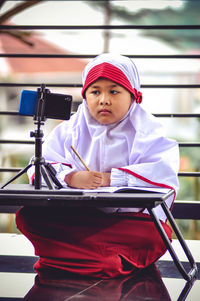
x: 134, y: 149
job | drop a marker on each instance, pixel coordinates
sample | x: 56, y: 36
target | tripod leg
x: 52, y: 174
x: 47, y: 178
x: 21, y: 172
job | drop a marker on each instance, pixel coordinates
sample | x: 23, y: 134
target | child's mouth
x: 104, y: 111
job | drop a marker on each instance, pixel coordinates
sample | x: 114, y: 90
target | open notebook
x: 122, y: 189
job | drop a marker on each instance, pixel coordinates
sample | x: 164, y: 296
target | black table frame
x: 63, y: 198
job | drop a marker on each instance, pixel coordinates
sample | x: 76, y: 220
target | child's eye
x: 95, y: 92
x: 114, y: 92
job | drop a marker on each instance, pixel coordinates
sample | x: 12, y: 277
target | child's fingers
x: 97, y: 174
x: 98, y: 178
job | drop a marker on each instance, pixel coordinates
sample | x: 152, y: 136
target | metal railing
x: 84, y: 56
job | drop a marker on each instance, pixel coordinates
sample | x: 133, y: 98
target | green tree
x: 187, y: 13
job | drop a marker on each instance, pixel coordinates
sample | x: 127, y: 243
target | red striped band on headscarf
x: 113, y: 73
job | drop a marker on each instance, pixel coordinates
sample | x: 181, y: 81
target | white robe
x: 136, y: 143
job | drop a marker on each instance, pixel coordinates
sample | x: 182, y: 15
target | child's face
x: 107, y: 101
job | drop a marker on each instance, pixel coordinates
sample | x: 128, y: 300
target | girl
x: 123, y: 146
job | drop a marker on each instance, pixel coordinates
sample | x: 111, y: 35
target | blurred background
x: 156, y: 74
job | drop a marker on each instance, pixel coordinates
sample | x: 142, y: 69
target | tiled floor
x: 159, y: 282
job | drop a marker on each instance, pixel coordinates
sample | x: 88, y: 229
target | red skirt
x: 88, y: 242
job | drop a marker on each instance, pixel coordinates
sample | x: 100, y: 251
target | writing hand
x: 85, y: 179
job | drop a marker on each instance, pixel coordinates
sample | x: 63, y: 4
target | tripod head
x: 40, y: 110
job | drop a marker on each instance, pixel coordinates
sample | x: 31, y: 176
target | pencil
x: 77, y: 154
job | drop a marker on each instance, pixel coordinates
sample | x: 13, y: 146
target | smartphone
x: 56, y: 106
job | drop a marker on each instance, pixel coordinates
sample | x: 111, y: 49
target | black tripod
x: 41, y: 167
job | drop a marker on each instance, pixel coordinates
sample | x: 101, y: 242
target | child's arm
x: 156, y: 163
x: 87, y: 179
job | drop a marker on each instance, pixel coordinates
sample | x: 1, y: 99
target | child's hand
x: 106, y: 179
x: 85, y: 179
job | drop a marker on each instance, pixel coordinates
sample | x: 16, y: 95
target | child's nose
x: 104, y: 99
